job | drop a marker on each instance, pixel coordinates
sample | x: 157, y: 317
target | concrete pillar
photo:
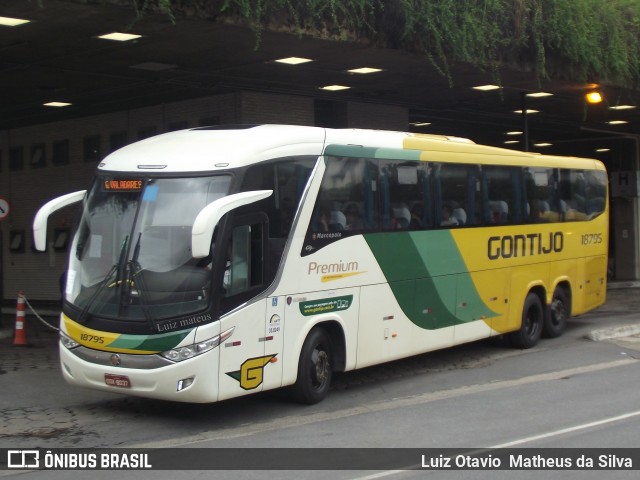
x: 625, y: 221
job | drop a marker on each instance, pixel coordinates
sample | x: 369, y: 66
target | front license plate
x: 121, y: 381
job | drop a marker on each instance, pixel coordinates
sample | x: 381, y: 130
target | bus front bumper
x: 194, y: 380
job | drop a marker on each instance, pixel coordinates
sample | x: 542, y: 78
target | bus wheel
x: 556, y: 322
x: 532, y: 323
x: 314, y: 368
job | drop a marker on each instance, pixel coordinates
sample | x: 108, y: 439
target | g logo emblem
x: 251, y: 372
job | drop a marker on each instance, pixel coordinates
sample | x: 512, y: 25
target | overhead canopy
x: 58, y: 56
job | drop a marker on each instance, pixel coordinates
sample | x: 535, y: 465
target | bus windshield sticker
x: 150, y: 193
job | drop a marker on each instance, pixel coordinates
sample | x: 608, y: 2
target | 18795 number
x: 91, y: 338
x: 591, y: 238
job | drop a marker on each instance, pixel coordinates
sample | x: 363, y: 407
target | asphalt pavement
x: 38, y: 409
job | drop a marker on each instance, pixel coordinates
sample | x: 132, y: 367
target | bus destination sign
x: 122, y: 185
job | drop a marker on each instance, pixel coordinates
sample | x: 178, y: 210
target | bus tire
x: 532, y: 323
x: 314, y: 368
x: 556, y: 322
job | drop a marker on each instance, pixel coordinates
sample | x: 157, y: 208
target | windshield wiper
x: 116, y: 268
x: 133, y: 268
x: 129, y: 269
x: 121, y: 260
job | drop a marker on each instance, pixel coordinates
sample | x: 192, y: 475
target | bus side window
x: 573, y: 194
x: 596, y: 192
x: 287, y: 177
x: 409, y: 195
x: 503, y: 195
x: 519, y: 195
x: 243, y: 265
x: 534, y: 205
x: 456, y: 195
x: 347, y: 198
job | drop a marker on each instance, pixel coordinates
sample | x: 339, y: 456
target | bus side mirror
x: 40, y: 222
x: 206, y: 221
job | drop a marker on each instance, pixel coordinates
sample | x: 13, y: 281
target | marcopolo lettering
x: 511, y: 246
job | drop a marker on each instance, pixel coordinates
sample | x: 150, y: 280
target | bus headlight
x: 189, y: 351
x: 67, y: 341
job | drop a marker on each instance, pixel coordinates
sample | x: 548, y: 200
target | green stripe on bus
x: 349, y: 151
x: 428, y: 276
x: 398, y: 154
x: 159, y: 343
x: 368, y: 152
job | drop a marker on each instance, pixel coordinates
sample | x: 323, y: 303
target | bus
x: 221, y: 261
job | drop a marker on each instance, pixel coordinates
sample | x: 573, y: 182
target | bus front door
x: 248, y: 356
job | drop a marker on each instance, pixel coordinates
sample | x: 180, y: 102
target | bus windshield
x: 131, y: 255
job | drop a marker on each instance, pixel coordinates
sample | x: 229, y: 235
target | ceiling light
x: 334, y: 88
x: 593, y: 97
x: 603, y: 150
x: 515, y: 132
x: 294, y: 60
x: 622, y: 107
x: 617, y: 122
x: 120, y: 37
x: 12, y: 22
x: 365, y: 70
x: 56, y: 104
x: 512, y: 141
x: 420, y: 124
x: 539, y: 94
x: 529, y: 111
x: 486, y: 88
x: 542, y: 144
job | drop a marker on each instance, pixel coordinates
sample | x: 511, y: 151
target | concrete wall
x: 369, y: 115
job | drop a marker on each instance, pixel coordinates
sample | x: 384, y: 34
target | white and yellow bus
x: 216, y: 262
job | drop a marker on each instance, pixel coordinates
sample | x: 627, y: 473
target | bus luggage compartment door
x: 593, y: 273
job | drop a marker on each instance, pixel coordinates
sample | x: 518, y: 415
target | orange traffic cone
x: 20, y: 337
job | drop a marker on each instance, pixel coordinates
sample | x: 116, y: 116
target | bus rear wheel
x: 532, y: 323
x: 314, y: 368
x: 556, y: 321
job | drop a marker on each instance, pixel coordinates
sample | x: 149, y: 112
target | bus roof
x: 225, y: 147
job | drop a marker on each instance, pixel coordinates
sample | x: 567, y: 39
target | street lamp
x: 593, y: 97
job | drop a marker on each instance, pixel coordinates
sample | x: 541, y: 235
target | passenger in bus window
x: 323, y: 220
x: 417, y: 214
x: 401, y: 217
x: 354, y: 221
x: 448, y: 220
x: 337, y: 221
